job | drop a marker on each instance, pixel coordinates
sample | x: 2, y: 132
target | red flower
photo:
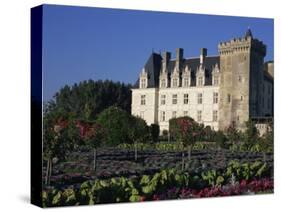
x: 142, y: 198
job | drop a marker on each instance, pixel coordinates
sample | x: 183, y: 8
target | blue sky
x: 81, y: 43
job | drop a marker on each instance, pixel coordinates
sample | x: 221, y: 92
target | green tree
x: 208, y: 134
x: 220, y: 139
x: 88, y: 98
x: 154, y: 132
x: 250, y: 135
x: 116, y: 125
x: 138, y: 132
x: 267, y: 140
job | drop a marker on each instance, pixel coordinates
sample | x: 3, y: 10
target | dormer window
x: 185, y: 82
x: 143, y: 83
x: 216, y: 75
x: 163, y: 83
x: 143, y: 79
x: 175, y: 82
x: 186, y: 75
x: 200, y: 81
x: 216, y: 80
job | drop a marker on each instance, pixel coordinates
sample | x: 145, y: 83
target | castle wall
x: 151, y: 111
x: 234, y: 87
x: 148, y: 111
x: 192, y: 107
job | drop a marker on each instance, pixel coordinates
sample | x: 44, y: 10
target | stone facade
x: 217, y: 91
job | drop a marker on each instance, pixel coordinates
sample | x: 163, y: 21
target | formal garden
x: 96, y: 152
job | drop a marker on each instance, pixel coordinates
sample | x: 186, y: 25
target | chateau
x: 217, y: 91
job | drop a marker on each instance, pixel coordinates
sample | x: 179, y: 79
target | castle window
x: 216, y: 80
x: 185, y: 98
x: 163, y: 83
x: 239, y: 78
x: 163, y: 99
x: 228, y: 98
x: 174, y: 114
x: 175, y: 82
x: 185, y: 82
x: 199, y: 115
x: 215, y: 97
x: 142, y: 99
x: 142, y: 114
x: 200, y: 81
x: 215, y: 115
x: 199, y: 98
x: 143, y: 83
x: 174, y: 99
x: 241, y: 98
x: 185, y: 113
x: 162, y: 116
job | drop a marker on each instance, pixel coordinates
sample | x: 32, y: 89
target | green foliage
x: 116, y: 123
x: 154, y: 130
x: 143, y: 188
x: 251, y: 134
x: 121, y: 127
x: 233, y: 135
x: 185, y: 130
x: 213, y: 178
x: 266, y: 141
x: 220, y: 139
x: 91, y: 133
x: 246, y: 171
x: 209, y: 134
x: 88, y: 98
x: 138, y: 130
x: 175, y: 146
x: 60, y: 135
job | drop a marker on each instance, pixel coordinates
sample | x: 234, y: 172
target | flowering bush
x: 186, y: 131
x: 242, y: 188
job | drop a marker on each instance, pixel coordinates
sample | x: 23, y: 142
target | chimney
x: 203, y: 54
x: 166, y: 58
x: 179, y: 54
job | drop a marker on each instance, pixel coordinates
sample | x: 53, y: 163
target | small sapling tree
x: 186, y: 131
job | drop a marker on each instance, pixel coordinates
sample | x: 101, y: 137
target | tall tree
x: 88, y: 98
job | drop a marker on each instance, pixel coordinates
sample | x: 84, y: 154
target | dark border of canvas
x: 36, y: 105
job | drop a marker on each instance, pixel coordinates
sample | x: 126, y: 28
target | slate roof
x: 153, y: 68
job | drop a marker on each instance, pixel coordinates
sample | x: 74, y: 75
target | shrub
x: 138, y: 132
x: 250, y: 136
x: 116, y: 123
x: 220, y: 139
x: 154, y: 132
x: 232, y: 134
x: 186, y: 131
